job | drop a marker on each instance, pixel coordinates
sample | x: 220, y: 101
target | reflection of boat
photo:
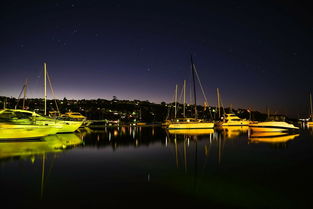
x: 274, y: 137
x: 53, y: 143
x: 233, y: 131
x: 15, y: 131
x: 272, y: 126
x: 190, y: 123
x: 191, y: 131
x: 233, y: 120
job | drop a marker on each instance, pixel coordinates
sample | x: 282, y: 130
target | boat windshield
x: 16, y: 117
x: 185, y: 120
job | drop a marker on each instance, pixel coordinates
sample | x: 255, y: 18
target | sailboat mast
x: 4, y: 103
x: 25, y: 92
x: 176, y: 89
x: 218, y: 103
x: 194, y: 87
x: 45, y: 85
x: 184, y: 111
x: 311, y: 107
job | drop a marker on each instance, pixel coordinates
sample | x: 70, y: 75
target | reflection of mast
x: 176, y: 150
x: 42, y: 175
x: 196, y: 164
x: 185, y: 153
x: 220, y: 148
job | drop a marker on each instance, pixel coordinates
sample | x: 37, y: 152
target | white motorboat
x: 272, y: 126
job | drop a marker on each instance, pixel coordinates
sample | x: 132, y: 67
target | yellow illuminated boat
x: 74, y: 115
x: 53, y: 143
x: 190, y: 123
x: 271, y: 137
x: 18, y: 116
x: 310, y: 123
x: 233, y: 120
x: 272, y: 126
x: 23, y: 131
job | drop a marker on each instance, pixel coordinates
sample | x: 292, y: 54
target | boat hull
x: 61, y: 126
x: 191, y: 125
x: 12, y: 131
x: 234, y: 123
x: 272, y: 126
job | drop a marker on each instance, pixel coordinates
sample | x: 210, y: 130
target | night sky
x: 259, y: 53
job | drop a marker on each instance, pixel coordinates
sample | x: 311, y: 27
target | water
x: 148, y: 167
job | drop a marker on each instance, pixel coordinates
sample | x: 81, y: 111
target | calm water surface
x: 149, y: 167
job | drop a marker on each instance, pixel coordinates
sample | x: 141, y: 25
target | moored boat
x: 190, y: 123
x: 272, y: 126
x: 18, y: 116
x: 232, y: 120
x: 74, y: 115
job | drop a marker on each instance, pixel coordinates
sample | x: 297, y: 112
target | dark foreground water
x: 148, y: 167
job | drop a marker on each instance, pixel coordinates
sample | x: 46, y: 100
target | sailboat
x: 56, y: 125
x: 67, y: 125
x: 191, y: 123
x: 232, y: 120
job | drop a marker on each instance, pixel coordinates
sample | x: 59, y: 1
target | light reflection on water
x: 223, y: 168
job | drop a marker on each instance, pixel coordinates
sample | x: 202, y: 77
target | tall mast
x: 194, y: 86
x: 311, y: 107
x: 184, y: 111
x: 25, y: 92
x: 218, y: 103
x: 176, y: 89
x: 45, y: 85
x: 5, y: 102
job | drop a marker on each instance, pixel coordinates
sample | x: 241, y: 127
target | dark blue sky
x: 259, y: 53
